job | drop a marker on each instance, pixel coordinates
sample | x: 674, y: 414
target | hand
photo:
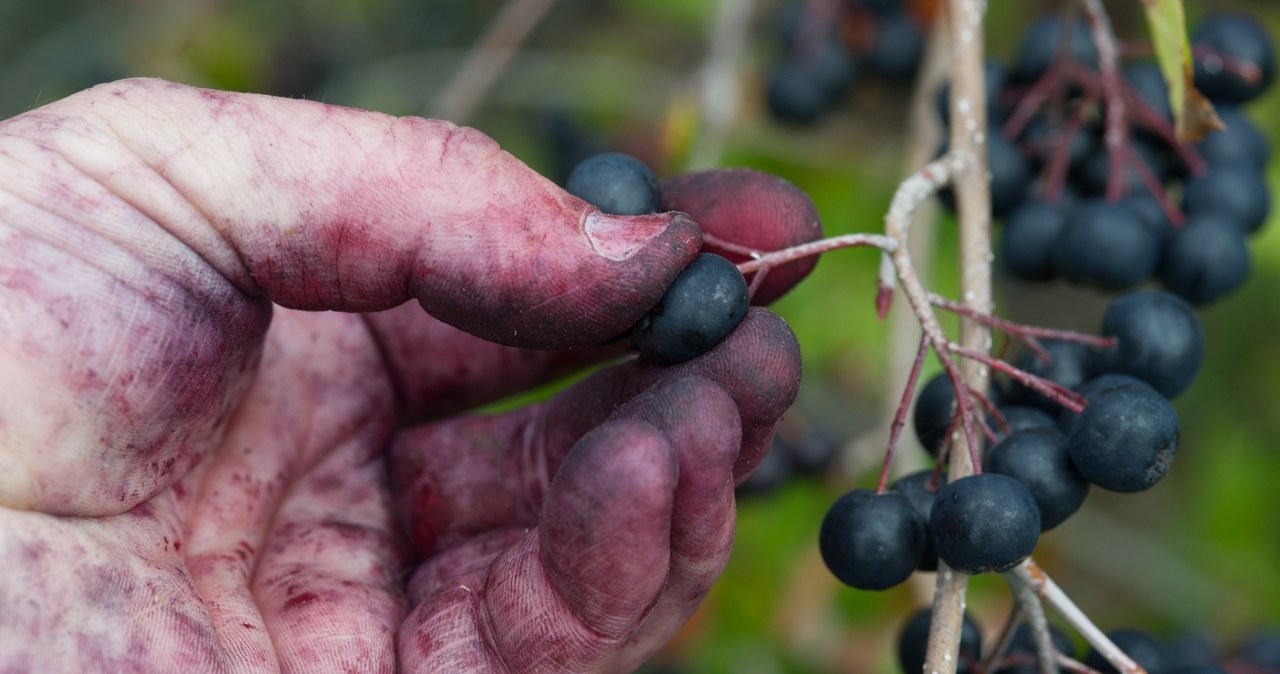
x: 215, y: 456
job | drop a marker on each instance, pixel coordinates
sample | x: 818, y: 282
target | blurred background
x: 682, y: 85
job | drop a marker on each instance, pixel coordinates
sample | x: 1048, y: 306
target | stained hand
x: 229, y: 442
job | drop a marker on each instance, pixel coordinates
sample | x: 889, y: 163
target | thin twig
x: 1034, y: 612
x: 994, y: 658
x: 1019, y: 329
x: 900, y: 417
x: 973, y: 208
x: 490, y: 56
x: 1117, y: 126
x: 1031, y: 575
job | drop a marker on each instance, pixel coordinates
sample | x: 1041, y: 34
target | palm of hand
x: 253, y: 522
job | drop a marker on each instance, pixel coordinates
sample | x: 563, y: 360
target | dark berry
x: 1238, y: 37
x: 1236, y: 190
x: 1103, y: 382
x: 1039, y: 48
x: 935, y: 404
x: 1159, y: 339
x: 1125, y: 439
x: 1148, y: 82
x: 810, y: 80
x: 1038, y: 458
x: 871, y: 541
x: 1151, y: 213
x: 1143, y: 648
x: 703, y: 305
x: 1241, y: 142
x: 1028, y: 239
x: 1262, y: 650
x: 1021, y: 418
x: 1106, y: 246
x: 897, y: 47
x: 916, y: 487
x: 913, y: 644
x: 1042, y: 137
x: 986, y: 522
x: 1093, y: 173
x: 1193, y: 647
x: 1205, y: 259
x: 615, y: 183
x: 1070, y: 364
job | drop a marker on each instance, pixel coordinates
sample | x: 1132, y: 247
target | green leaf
x: 1193, y: 115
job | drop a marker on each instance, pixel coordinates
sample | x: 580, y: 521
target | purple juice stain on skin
x: 300, y: 599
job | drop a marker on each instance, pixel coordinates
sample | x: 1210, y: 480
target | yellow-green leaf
x: 1193, y: 115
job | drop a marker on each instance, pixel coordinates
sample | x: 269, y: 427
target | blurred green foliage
x: 1202, y: 550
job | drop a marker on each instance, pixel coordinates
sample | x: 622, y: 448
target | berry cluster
x: 1090, y: 180
x: 1191, y: 653
x: 1072, y: 415
x: 826, y: 46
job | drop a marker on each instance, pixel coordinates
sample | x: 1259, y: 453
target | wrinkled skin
x: 202, y: 472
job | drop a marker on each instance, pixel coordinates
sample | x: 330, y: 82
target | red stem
x: 900, y: 417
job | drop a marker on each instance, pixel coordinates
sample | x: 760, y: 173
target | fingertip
x: 605, y: 527
x: 759, y: 366
x: 753, y: 209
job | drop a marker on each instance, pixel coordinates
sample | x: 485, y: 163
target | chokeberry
x: 1262, y: 650
x: 920, y: 489
x: 935, y: 404
x: 1106, y: 246
x: 1070, y: 364
x: 1235, y: 190
x: 1022, y: 417
x: 1159, y: 339
x: 615, y: 183
x: 913, y: 643
x: 986, y: 522
x: 1241, y: 142
x: 1030, y: 234
x: 898, y: 45
x: 1125, y: 439
x: 1039, y: 48
x: 703, y: 305
x: 1205, y: 259
x: 1241, y: 39
x: 1038, y: 458
x: 871, y: 541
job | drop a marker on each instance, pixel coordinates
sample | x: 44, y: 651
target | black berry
x: 913, y: 643
x: 1238, y: 37
x: 1235, y: 190
x: 615, y: 183
x: 1106, y: 246
x: 1160, y: 340
x: 703, y: 305
x: 917, y: 488
x: 871, y: 541
x: 1125, y: 439
x: 1205, y: 259
x: 986, y: 522
x: 1038, y: 458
